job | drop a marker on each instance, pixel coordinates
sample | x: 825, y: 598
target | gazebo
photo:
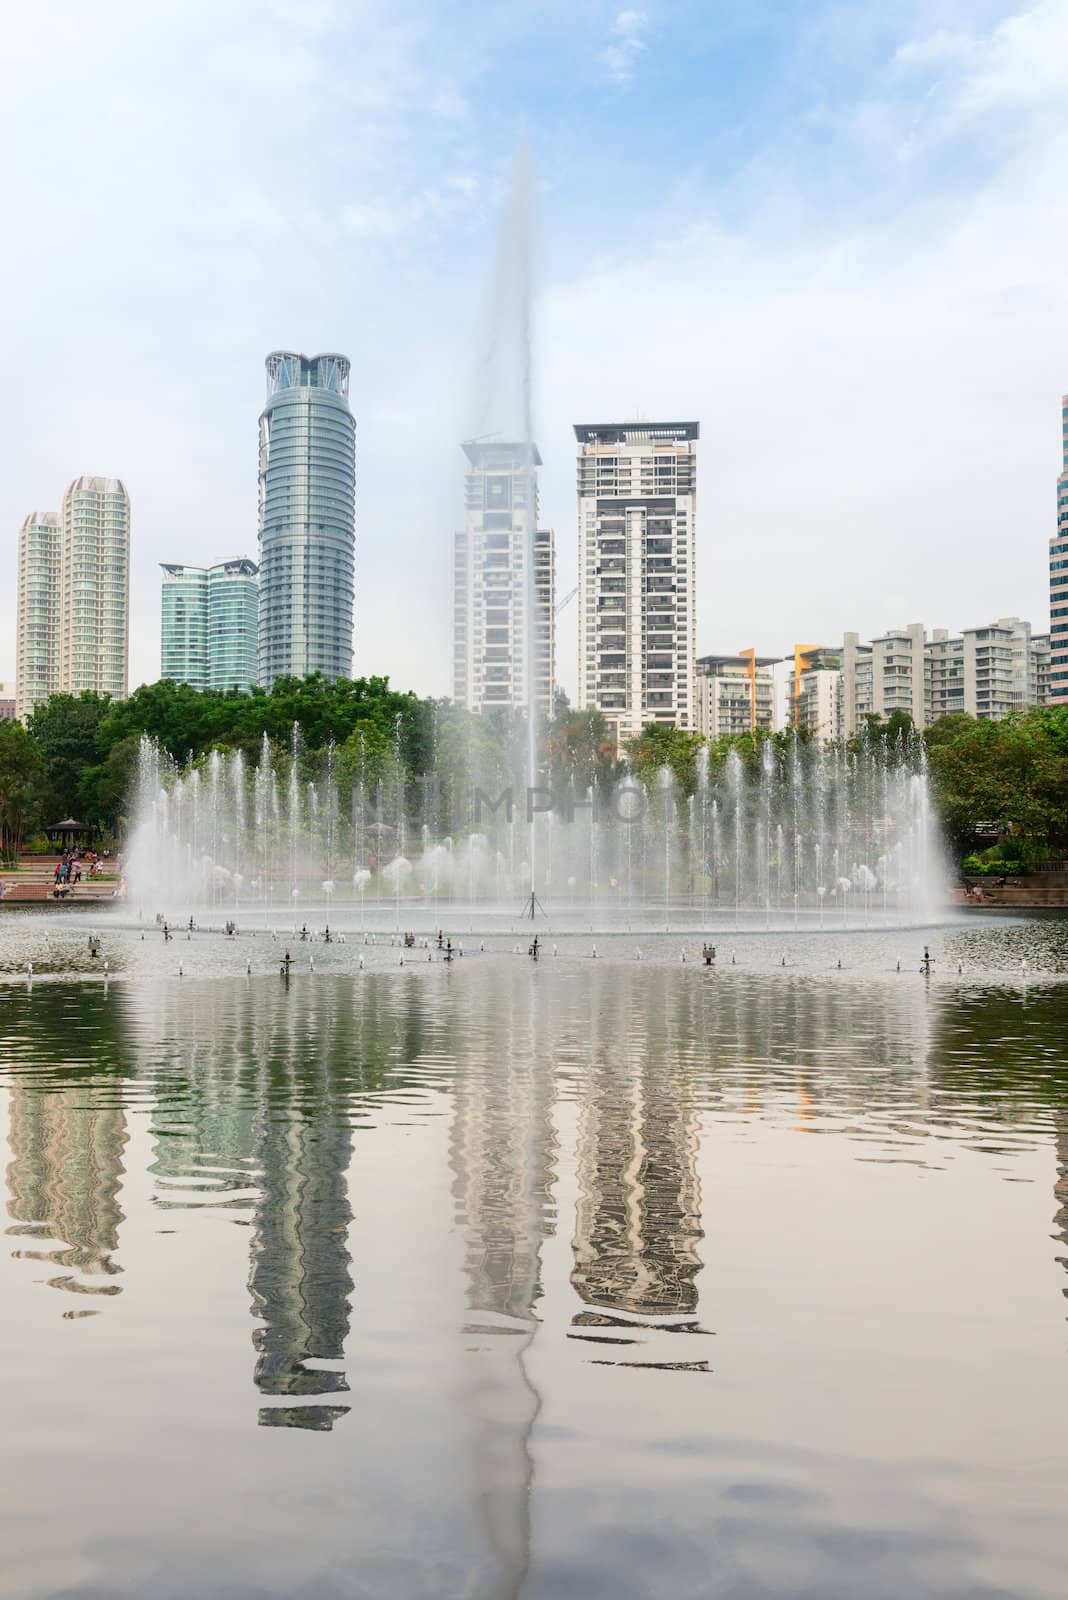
x: 71, y: 835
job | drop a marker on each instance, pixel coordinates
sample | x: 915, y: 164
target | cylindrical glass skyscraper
x: 307, y: 518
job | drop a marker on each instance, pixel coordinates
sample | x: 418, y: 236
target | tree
x: 64, y: 728
x: 106, y: 789
x: 1008, y: 777
x: 660, y: 745
x: 580, y: 749
x: 21, y: 770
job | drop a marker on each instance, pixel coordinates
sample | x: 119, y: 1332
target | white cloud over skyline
x: 846, y: 261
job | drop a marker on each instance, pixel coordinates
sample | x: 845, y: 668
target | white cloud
x: 879, y: 408
x: 620, y: 55
x: 373, y: 221
x: 451, y: 106
x: 1018, y: 66
x: 878, y: 388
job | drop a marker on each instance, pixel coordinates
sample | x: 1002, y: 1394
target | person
x: 59, y: 869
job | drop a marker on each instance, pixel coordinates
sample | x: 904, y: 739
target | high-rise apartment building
x: 94, y: 598
x: 1058, y: 580
x: 74, y: 595
x: 884, y: 676
x: 736, y: 695
x: 945, y: 674
x: 815, y: 691
x: 37, y: 618
x: 856, y: 684
x: 637, y: 504
x: 209, y: 623
x: 307, y: 518
x: 504, y: 622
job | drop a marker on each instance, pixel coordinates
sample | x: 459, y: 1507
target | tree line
x: 1001, y: 787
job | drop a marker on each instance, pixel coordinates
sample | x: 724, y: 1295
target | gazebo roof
x: 71, y: 825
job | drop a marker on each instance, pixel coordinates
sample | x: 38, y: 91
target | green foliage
x: 188, y: 722
x: 580, y: 751
x: 1007, y: 778
x: 79, y: 754
x: 21, y: 770
x: 992, y: 865
x: 66, y: 730
x: 659, y: 745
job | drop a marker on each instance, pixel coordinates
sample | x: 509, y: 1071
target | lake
x: 575, y: 1278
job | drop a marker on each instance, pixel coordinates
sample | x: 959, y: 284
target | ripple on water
x: 578, y: 1188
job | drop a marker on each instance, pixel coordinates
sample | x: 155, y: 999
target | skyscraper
x: 307, y: 518
x: 94, y: 602
x: 493, y: 586
x: 37, y: 629
x: 209, y: 623
x: 1058, y: 580
x: 637, y: 503
x: 74, y: 595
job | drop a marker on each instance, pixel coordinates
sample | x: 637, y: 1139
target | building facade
x: 37, y: 615
x: 637, y: 507
x: 73, y: 604
x: 816, y: 692
x: 898, y: 673
x: 986, y: 672
x: 307, y: 518
x: 1058, y: 580
x: 734, y: 696
x: 503, y: 612
x: 856, y: 684
x: 1000, y: 673
x: 209, y: 624
x: 94, y: 598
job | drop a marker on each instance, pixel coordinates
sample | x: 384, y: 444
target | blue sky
x: 835, y: 234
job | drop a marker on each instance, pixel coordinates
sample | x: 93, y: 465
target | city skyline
x: 872, y: 328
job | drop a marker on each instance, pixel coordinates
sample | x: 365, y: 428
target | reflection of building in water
x: 638, y: 1217
x: 64, y: 1179
x: 260, y: 1112
x: 300, y: 1278
x: 501, y: 1152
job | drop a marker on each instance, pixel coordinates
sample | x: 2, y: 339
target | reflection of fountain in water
x: 502, y: 1157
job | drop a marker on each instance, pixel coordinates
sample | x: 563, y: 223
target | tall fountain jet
x: 504, y: 563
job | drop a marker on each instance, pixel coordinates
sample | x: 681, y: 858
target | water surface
x: 596, y: 1278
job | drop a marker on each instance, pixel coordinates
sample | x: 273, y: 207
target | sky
x: 835, y: 234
